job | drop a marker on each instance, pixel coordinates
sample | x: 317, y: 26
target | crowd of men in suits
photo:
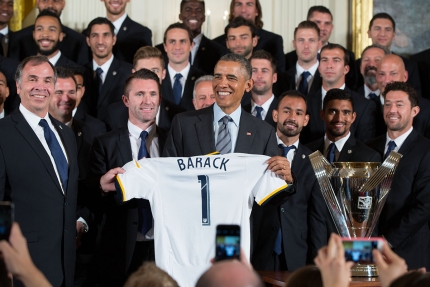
x: 57, y: 142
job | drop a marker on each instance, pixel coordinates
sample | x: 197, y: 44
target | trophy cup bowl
x: 355, y: 193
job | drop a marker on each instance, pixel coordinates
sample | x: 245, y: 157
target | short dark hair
x: 142, y: 74
x: 321, y: 9
x: 404, y: 87
x: 76, y: 72
x: 292, y: 94
x: 332, y: 46
x: 244, y: 63
x: 64, y: 73
x: 258, y: 22
x: 263, y: 55
x: 337, y: 94
x: 178, y: 25
x: 147, y: 52
x: 238, y: 22
x: 386, y: 52
x: 307, y: 25
x: 47, y: 13
x: 185, y: 1
x: 33, y: 61
x: 382, y: 15
x: 100, y: 21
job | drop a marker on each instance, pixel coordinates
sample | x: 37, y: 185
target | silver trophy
x: 355, y: 193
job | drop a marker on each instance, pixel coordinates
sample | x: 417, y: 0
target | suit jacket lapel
x: 347, y: 150
x: 408, y: 143
x: 246, y: 134
x: 124, y: 146
x: 204, y: 128
x: 122, y: 32
x: 187, y: 96
x: 204, y: 42
x: 109, y: 80
x: 269, y: 117
x: 298, y: 160
x: 77, y: 130
x: 167, y: 88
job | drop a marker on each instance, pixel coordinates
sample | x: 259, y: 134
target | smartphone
x: 359, y: 250
x: 227, y: 242
x: 6, y: 219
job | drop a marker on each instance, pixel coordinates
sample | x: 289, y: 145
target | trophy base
x: 364, y: 270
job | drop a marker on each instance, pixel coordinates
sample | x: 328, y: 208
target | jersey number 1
x: 204, y: 186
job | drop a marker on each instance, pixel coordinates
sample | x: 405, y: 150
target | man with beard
x: 203, y: 95
x: 339, y: 143
x: 6, y: 13
x: 4, y: 93
x: 263, y: 102
x: 73, y: 46
x: 240, y: 37
x: 289, y: 235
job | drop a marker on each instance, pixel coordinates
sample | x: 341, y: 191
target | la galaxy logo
x: 364, y: 202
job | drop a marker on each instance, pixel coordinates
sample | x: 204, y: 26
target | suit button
x: 282, y: 209
x: 66, y: 204
x: 65, y: 230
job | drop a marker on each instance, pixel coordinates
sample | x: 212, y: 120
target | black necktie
x: 177, y: 88
x: 318, y: 56
x: 259, y: 110
x: 145, y: 214
x: 391, y: 146
x: 330, y: 154
x: 56, y: 152
x: 99, y: 72
x: 303, y: 87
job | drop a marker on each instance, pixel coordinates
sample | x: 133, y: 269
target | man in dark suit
x: 264, y: 75
x: 44, y: 189
x: 203, y: 94
x: 322, y: 16
x: 339, y: 143
x: 287, y: 237
x: 333, y: 68
x: 4, y: 93
x: 6, y: 13
x: 146, y: 58
x: 130, y: 35
x: 73, y: 47
x: 241, y: 37
x: 392, y: 68
x: 423, y: 61
x: 125, y: 242
x: 251, y: 10
x: 405, y: 215
x: 109, y: 72
x: 180, y: 77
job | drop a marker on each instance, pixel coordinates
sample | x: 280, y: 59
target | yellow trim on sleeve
x: 213, y: 153
x: 122, y: 188
x: 137, y: 164
x: 272, y: 193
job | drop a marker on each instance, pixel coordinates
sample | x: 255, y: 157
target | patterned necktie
x: 259, y: 110
x: 145, y: 214
x: 99, y: 72
x: 303, y: 87
x: 330, y: 154
x: 391, y: 146
x: 56, y: 152
x: 177, y: 88
x: 223, y: 144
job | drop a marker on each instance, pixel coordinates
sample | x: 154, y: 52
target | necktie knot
x: 43, y: 123
x: 286, y: 149
x: 259, y: 110
x: 99, y: 72
x: 305, y: 75
x: 143, y: 135
x: 178, y: 76
x: 303, y: 87
x: 372, y: 96
x: 391, y: 146
x: 225, y: 119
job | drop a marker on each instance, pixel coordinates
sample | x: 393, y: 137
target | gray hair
x: 244, y: 63
x: 33, y: 61
x: 205, y: 78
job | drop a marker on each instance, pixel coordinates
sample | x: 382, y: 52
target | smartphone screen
x: 6, y: 219
x: 227, y: 242
x: 360, y: 251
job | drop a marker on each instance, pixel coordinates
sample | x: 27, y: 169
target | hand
x: 107, y: 181
x: 281, y: 166
x: 390, y: 265
x: 335, y: 271
x: 243, y: 259
x: 79, y: 232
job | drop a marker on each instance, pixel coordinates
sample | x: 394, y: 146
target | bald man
x: 391, y: 68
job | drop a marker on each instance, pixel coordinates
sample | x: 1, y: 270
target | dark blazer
x: 294, y: 217
x: 6, y: 41
x: 187, y: 97
x: 268, y: 41
x: 8, y: 68
x: 112, y: 90
x: 130, y: 37
x: 350, y: 78
x: 363, y: 127
x: 268, y: 118
x: 405, y: 215
x: 118, y: 114
x: 47, y: 217
x: 352, y: 151
x: 73, y: 46
x: 423, y: 61
x: 289, y: 77
x: 118, y: 236
x: 94, y: 124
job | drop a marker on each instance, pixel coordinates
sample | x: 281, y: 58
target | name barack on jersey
x: 203, y: 162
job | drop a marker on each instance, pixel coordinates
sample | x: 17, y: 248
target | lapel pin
x: 60, y: 127
x: 193, y: 78
x: 203, y: 48
x: 349, y: 151
x: 167, y: 108
x: 303, y: 156
x: 114, y: 73
x: 79, y: 134
x: 125, y: 28
x: 248, y: 133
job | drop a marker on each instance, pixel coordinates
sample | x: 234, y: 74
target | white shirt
x: 197, y: 40
x: 233, y: 127
x: 2, y: 114
x: 105, y: 67
x: 265, y: 107
x: 339, y: 145
x: 33, y: 121
x: 299, y: 71
x: 118, y: 22
x: 184, y: 74
x: 324, y: 92
x: 292, y: 152
x: 5, y: 30
x: 367, y: 91
x: 398, y: 141
x: 54, y: 59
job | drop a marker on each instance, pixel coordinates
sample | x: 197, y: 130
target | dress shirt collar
x: 339, y: 143
x: 135, y: 130
x: 324, y: 92
x: 312, y: 70
x: 105, y: 67
x: 265, y: 106
x: 198, y: 39
x: 184, y: 72
x: 280, y: 142
x: 2, y: 114
x: 5, y: 30
x: 118, y: 22
x: 32, y: 119
x: 69, y: 124
x: 219, y: 114
x: 399, y: 140
x: 74, y: 112
x: 367, y: 91
x: 54, y: 60
x: 381, y: 98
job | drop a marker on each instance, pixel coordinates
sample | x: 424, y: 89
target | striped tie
x: 223, y: 144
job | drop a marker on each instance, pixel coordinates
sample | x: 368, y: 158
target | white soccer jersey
x: 190, y: 196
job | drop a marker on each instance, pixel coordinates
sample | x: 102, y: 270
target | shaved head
x: 391, y: 68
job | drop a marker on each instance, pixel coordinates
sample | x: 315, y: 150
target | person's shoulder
x: 268, y: 34
x: 123, y: 66
x: 72, y: 33
x: 135, y: 25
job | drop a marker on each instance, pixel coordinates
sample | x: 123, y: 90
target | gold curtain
x: 21, y: 8
x: 362, y: 13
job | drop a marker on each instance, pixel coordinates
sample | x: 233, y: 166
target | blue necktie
x: 56, y: 152
x: 303, y: 87
x: 318, y: 56
x: 177, y: 88
x: 278, y: 242
x: 372, y: 96
x: 391, y: 146
x: 259, y: 110
x: 145, y: 214
x: 99, y: 72
x: 330, y: 154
